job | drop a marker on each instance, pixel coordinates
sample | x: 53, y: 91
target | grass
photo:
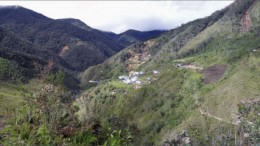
x: 241, y: 78
x: 11, y: 96
x: 255, y: 13
x: 223, y: 99
x: 205, y: 36
x: 118, y: 84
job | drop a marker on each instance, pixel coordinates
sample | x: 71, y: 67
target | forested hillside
x: 197, y: 84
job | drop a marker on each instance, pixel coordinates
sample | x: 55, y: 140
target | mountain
x: 76, y: 46
x: 21, y: 61
x: 134, y: 36
x: 197, y: 84
x: 76, y: 22
x: 168, y: 43
x: 69, y: 44
x: 124, y: 39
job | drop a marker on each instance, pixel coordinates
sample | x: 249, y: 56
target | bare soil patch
x: 139, y: 55
x: 246, y: 22
x: 213, y: 73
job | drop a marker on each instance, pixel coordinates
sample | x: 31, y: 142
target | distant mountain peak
x: 139, y: 31
x: 133, y: 36
x: 11, y: 7
x: 19, y: 13
x: 132, y: 30
x: 76, y: 22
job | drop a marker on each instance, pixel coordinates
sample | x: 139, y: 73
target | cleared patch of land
x: 213, y: 73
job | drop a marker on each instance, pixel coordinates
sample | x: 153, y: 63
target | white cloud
x: 118, y: 16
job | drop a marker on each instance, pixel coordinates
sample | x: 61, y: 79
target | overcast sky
x: 118, y: 16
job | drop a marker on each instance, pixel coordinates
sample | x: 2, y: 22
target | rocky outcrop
x: 181, y: 139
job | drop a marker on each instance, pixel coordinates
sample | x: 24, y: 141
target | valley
x: 65, y: 83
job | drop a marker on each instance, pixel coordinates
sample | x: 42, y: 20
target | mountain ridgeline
x: 69, y: 43
x: 133, y: 36
x: 57, y: 37
x: 197, y: 84
x: 124, y: 39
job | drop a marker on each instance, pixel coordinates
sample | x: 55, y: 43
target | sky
x: 119, y: 16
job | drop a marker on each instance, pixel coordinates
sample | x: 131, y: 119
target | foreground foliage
x: 47, y: 118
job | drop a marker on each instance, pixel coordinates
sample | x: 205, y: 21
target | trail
x: 215, y: 117
x: 193, y: 67
x: 237, y: 122
x: 212, y: 116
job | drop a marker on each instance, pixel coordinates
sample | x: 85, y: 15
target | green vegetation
x: 57, y: 78
x: 47, y: 118
x: 9, y: 71
x: 175, y: 104
x: 178, y: 99
x: 206, y: 91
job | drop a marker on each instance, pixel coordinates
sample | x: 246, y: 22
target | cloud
x: 118, y: 16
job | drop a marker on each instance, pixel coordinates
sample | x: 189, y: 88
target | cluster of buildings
x: 133, y: 77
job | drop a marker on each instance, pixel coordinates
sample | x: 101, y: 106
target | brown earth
x: 139, y: 56
x: 213, y: 73
x: 64, y: 50
x: 193, y: 67
x: 246, y: 22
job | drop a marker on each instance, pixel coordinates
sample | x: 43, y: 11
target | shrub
x: 8, y: 71
x: 57, y: 78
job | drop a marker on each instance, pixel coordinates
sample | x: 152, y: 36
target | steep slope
x: 157, y: 50
x: 27, y: 55
x: 21, y: 61
x: 198, y: 83
x: 78, y: 47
